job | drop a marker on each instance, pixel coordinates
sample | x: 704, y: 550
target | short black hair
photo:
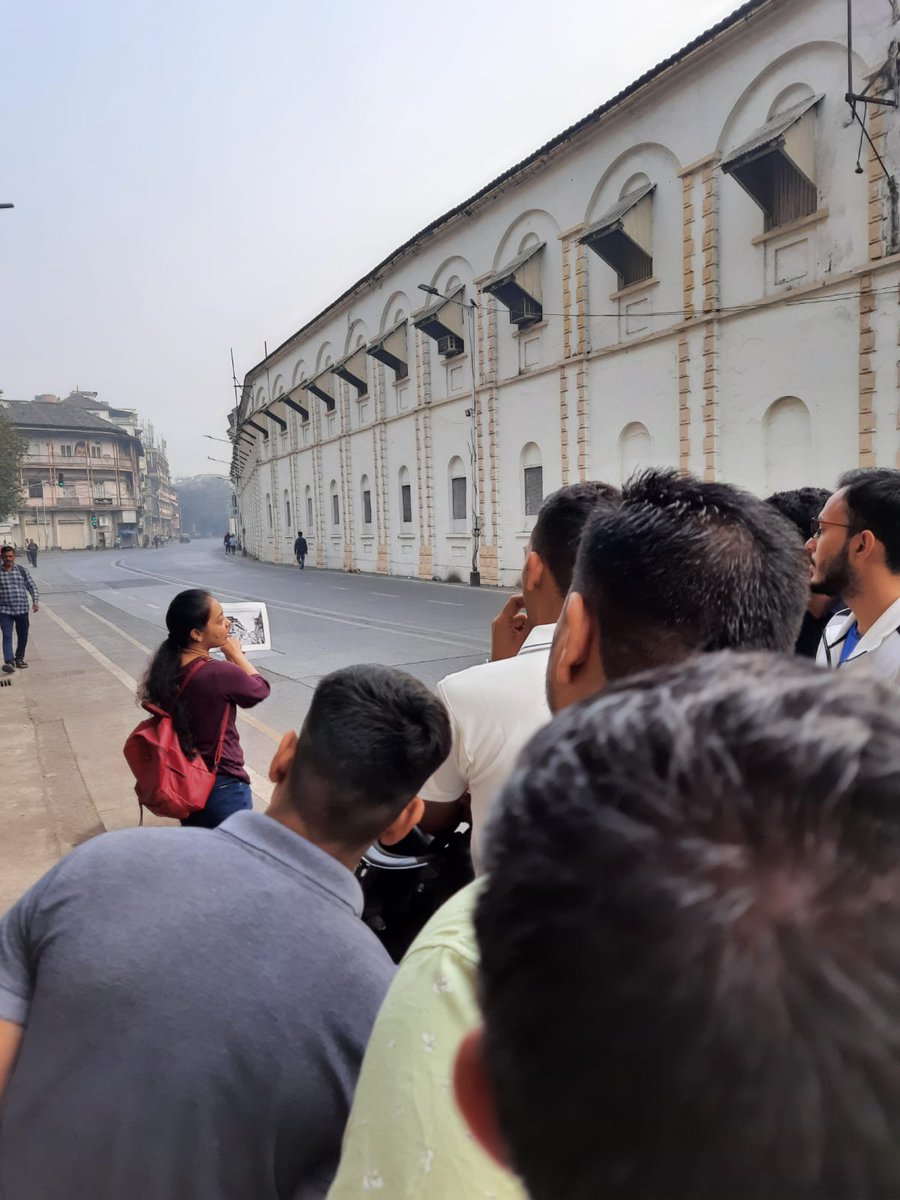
x: 373, y: 735
x: 801, y: 506
x: 683, y: 566
x: 690, y: 939
x: 560, y: 523
x: 873, y: 500
x: 3, y: 549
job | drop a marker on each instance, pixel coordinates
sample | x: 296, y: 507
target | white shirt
x: 877, y: 651
x: 494, y: 709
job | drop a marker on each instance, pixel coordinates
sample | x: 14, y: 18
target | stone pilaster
x: 710, y: 246
x: 564, y: 424
x: 877, y: 208
x: 866, y: 370
x: 684, y: 405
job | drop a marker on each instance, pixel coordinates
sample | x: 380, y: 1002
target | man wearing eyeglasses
x: 855, y: 546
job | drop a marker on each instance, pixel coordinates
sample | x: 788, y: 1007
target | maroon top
x: 213, y: 687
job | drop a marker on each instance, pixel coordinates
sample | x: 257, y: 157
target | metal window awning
x: 323, y: 387
x: 518, y: 286
x: 353, y: 370
x: 291, y: 402
x: 444, y: 322
x: 279, y: 421
x: 780, y: 134
x: 392, y: 349
x: 622, y: 236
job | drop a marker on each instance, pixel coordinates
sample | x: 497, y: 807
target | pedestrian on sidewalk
x: 301, y: 548
x: 197, y: 625
x: 31, y: 549
x: 183, y: 1014
x: 16, y: 586
x: 232, y: 544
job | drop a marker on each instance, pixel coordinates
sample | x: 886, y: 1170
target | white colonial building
x: 697, y: 274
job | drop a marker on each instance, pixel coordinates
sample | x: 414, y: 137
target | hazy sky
x: 194, y: 176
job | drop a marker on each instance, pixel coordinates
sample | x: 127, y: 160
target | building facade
x: 703, y: 273
x: 80, y: 476
x: 161, y: 516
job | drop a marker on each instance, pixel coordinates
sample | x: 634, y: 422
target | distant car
x: 184, y: 538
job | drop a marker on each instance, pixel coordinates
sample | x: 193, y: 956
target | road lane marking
x: 449, y: 603
x: 244, y: 716
x: 261, y: 786
x: 120, y: 632
x: 339, y: 587
x: 422, y: 633
x: 389, y: 595
x: 149, y: 605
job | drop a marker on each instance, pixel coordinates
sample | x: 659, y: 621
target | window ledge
x: 367, y: 537
x: 791, y: 227
x: 406, y: 537
x: 633, y: 288
x: 535, y: 328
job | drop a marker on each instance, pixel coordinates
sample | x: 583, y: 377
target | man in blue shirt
x: 183, y: 1012
x: 16, y: 586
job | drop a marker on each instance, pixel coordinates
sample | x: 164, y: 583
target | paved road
x: 320, y: 620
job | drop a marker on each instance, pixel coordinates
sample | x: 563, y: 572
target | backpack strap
x: 189, y: 675
x: 221, y: 744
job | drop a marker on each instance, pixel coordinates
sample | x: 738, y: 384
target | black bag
x: 403, y: 885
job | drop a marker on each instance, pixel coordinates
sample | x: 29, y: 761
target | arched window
x: 787, y: 436
x: 532, y: 472
x: 335, y: 505
x: 459, y: 518
x: 269, y: 510
x: 635, y: 449
x: 309, y: 508
x: 287, y: 511
x: 366, y: 497
x: 405, y: 499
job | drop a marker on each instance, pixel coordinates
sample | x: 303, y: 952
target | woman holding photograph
x: 202, y: 695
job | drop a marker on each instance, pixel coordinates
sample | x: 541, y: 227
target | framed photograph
x: 249, y: 622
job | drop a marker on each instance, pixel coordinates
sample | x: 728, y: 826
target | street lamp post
x: 469, y: 309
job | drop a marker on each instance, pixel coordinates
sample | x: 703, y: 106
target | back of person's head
x: 873, y: 502
x: 690, y: 941
x: 560, y: 523
x: 682, y: 566
x: 188, y: 611
x: 373, y: 735
x: 801, y: 506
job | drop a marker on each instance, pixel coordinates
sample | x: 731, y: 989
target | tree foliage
x: 205, y: 505
x: 12, y: 450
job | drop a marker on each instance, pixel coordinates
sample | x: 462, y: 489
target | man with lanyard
x: 16, y: 585
x: 855, y: 545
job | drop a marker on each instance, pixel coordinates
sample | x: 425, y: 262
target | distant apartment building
x: 83, y: 475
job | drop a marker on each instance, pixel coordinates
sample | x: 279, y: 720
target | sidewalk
x: 63, y: 723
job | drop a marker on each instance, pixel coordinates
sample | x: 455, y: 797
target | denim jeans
x: 229, y: 795
x: 7, y: 623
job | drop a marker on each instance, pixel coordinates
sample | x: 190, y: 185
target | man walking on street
x: 855, y: 545
x: 31, y: 550
x: 16, y: 585
x: 301, y: 549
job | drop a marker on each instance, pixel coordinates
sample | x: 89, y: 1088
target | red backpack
x: 169, y: 783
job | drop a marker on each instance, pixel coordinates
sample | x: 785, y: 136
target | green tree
x: 12, y: 450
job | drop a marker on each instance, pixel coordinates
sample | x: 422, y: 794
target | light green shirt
x: 406, y: 1139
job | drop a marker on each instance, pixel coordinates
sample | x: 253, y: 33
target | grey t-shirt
x: 196, y: 1006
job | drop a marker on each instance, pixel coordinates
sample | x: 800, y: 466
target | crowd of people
x: 676, y: 974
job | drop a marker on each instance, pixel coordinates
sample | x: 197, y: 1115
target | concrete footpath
x: 63, y: 723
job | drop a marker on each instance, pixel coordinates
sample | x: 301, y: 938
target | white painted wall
x: 596, y: 384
